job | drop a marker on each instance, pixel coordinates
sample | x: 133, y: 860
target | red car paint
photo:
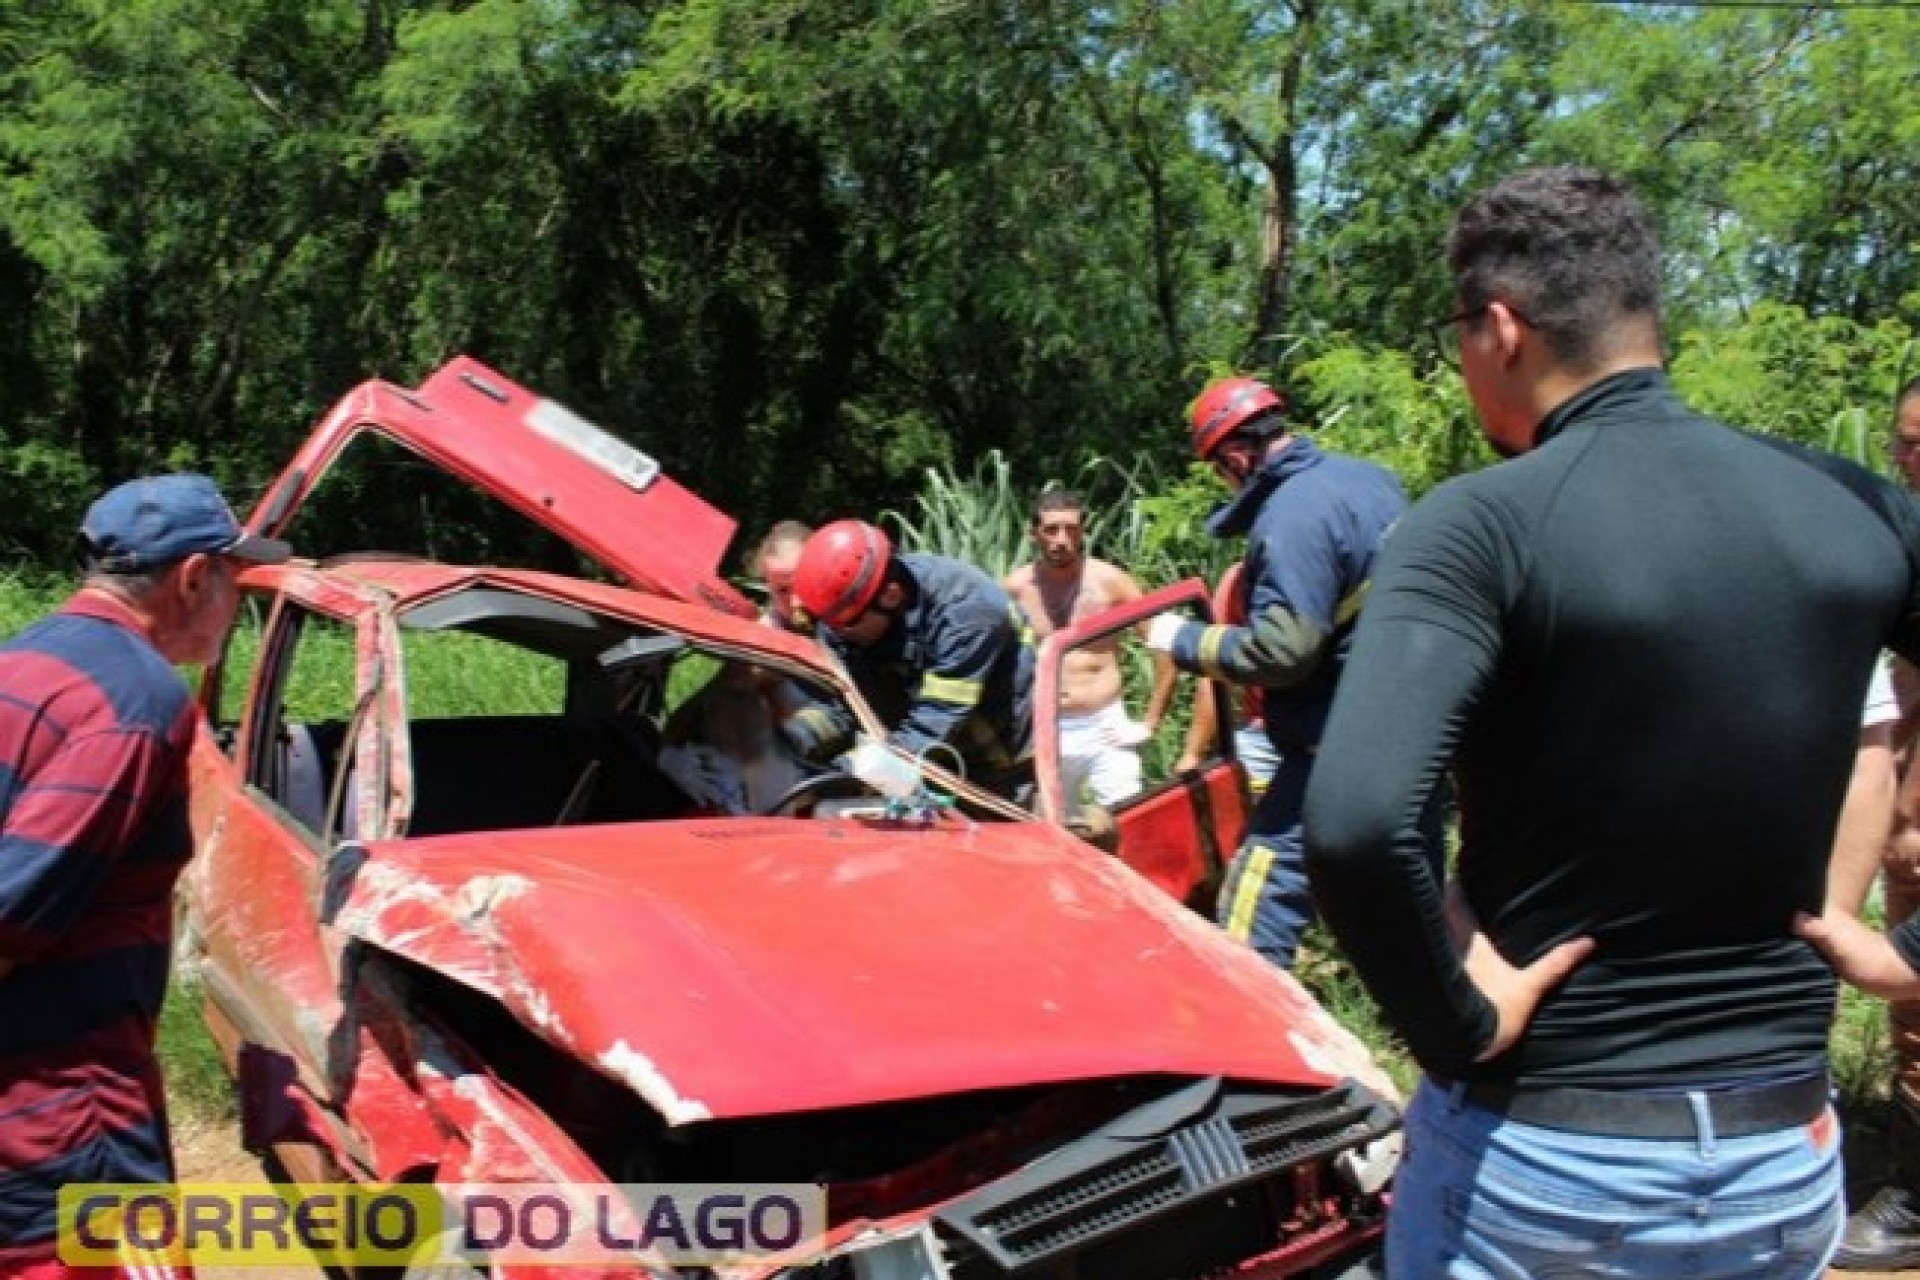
x: 909, y: 1011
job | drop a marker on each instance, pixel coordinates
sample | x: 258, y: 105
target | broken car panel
x: 470, y: 930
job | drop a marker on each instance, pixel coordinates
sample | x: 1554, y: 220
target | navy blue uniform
x: 1314, y: 522
x: 953, y: 668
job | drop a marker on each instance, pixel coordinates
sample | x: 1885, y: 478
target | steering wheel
x: 834, y: 784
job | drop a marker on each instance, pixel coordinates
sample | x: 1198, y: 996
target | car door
x: 1179, y: 831
x: 291, y: 761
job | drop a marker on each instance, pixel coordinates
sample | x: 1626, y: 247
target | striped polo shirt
x: 94, y: 732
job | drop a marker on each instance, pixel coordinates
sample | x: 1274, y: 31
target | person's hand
x: 1187, y: 762
x: 1514, y: 992
x: 1162, y: 631
x: 1860, y: 955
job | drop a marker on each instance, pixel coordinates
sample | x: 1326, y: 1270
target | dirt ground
x: 210, y: 1151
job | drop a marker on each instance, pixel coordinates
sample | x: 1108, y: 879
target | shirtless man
x: 1098, y: 739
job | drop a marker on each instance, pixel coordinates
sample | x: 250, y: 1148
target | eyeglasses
x: 1445, y: 334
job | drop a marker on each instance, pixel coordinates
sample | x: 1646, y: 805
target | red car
x: 460, y: 917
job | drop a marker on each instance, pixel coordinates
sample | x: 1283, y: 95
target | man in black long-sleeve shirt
x: 1641, y: 648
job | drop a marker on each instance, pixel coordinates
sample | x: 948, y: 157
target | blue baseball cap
x: 156, y: 520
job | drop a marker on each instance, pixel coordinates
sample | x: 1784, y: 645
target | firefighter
x: 934, y: 645
x: 1313, y: 522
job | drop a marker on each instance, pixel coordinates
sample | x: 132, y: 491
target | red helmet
x: 841, y: 569
x: 1226, y: 406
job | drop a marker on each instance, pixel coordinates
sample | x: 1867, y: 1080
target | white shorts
x: 1092, y: 759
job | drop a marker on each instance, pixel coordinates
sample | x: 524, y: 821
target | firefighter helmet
x: 1225, y: 407
x: 841, y: 569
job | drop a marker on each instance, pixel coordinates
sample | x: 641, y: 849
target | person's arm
x: 69, y: 825
x: 1880, y: 964
x: 1121, y: 589
x: 1428, y: 645
x: 1866, y: 821
x: 819, y: 731
x: 968, y: 638
x: 1295, y: 604
x: 1203, y: 728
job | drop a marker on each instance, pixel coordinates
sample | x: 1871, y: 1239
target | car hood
x: 608, y: 499
x: 736, y: 968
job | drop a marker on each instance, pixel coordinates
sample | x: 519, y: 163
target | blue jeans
x: 1479, y: 1196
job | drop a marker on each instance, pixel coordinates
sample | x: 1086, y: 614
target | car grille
x: 1182, y: 1157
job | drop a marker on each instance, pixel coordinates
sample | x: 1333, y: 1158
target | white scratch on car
x: 377, y: 890
x: 536, y: 1007
x: 627, y: 1064
x: 479, y: 897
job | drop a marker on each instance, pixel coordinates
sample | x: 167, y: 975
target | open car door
x: 1180, y: 830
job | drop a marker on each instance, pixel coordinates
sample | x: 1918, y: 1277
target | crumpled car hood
x: 733, y: 968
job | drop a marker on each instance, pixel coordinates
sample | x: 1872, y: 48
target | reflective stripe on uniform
x: 1022, y: 625
x: 816, y: 722
x: 1350, y: 604
x: 1246, y: 892
x: 1207, y: 652
x: 959, y: 693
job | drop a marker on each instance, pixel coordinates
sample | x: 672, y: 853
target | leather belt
x: 1619, y: 1113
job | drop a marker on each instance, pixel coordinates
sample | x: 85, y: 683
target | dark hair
x: 1570, y: 249
x: 1056, y: 499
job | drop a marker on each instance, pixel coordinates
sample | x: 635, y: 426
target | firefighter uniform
x: 1314, y: 522
x: 954, y: 668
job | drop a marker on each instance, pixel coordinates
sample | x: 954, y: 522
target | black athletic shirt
x: 1644, y: 646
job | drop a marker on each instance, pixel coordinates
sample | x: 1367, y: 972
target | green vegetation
x: 804, y: 252
x: 899, y: 256
x: 197, y: 1083
x: 450, y: 678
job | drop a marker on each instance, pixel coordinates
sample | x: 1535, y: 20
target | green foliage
x: 1819, y: 380
x: 25, y: 598
x: 1374, y: 404
x: 1151, y: 524
x: 196, y: 1081
x: 801, y: 252
x: 44, y: 489
x: 1172, y: 528
x: 452, y: 674
x: 980, y: 517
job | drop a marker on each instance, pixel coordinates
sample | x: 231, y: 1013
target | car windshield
x: 522, y: 710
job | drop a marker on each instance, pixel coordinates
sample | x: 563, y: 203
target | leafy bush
x: 1818, y: 380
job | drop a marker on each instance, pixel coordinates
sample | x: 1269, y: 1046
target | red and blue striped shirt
x: 94, y: 732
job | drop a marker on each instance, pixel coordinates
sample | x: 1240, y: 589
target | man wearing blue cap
x: 95, y: 726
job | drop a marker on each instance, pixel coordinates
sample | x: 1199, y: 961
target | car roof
x: 424, y: 593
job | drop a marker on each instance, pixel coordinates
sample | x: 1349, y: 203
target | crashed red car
x: 456, y: 928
